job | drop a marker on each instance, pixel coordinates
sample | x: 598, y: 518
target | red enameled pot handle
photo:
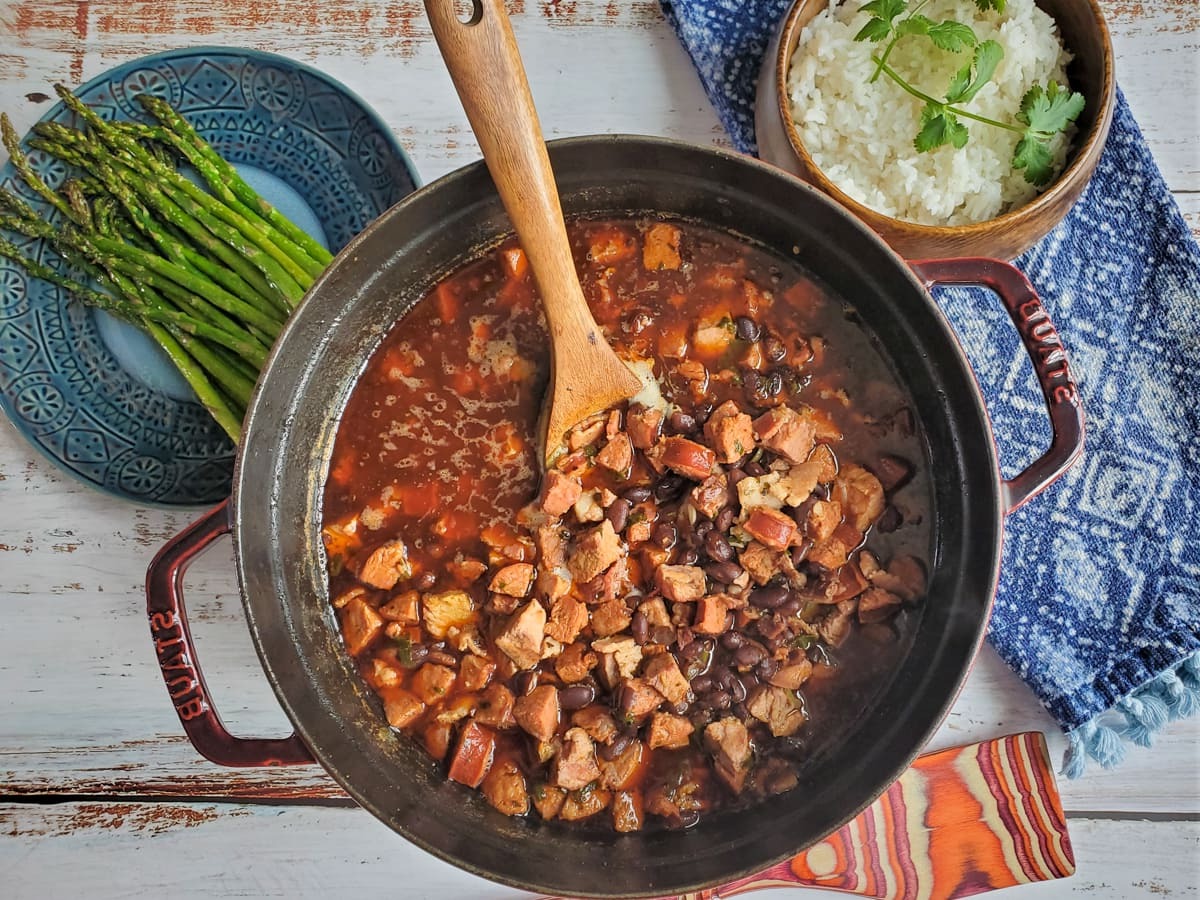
x: 1045, y: 350
x: 177, y: 656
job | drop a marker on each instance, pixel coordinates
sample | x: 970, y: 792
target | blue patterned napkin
x: 1099, y: 601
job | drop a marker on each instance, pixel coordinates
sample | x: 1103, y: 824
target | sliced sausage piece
x: 687, y: 458
x: 610, y: 617
x: 473, y: 754
x: 537, y: 712
x: 770, y: 527
x: 711, y: 613
x: 575, y: 766
x: 710, y: 496
x: 432, y: 682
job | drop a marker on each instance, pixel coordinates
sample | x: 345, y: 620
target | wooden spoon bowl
x: 586, y: 376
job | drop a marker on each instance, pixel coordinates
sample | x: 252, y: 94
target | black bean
x: 640, y: 626
x: 625, y: 698
x: 890, y: 520
x: 717, y: 547
x: 664, y: 535
x: 681, y: 707
x: 755, y: 469
x: 750, y: 382
x: 776, y: 641
x: 417, y: 654
x: 442, y: 658
x: 681, y: 423
x: 731, y: 640
x: 720, y: 699
x: 746, y: 328
x: 769, y: 596
x: 636, y: 494
x: 701, y: 413
x: 749, y: 680
x: 773, y: 348
x: 725, y: 519
x: 577, y: 696
x: 691, y: 650
x: 618, y: 514
x: 771, y: 385
x: 524, y: 682
x: 821, y: 492
x: 688, y: 557
x: 726, y: 678
x: 766, y: 668
x: 425, y: 581
x: 723, y: 572
x: 612, y: 750
x: 703, y: 529
x: 689, y: 817
x: 737, y: 690
x: 749, y: 655
x: 791, y: 607
x: 733, y: 476
x: 800, y: 552
x: 702, y: 684
x: 668, y: 488
x: 662, y: 634
x: 699, y: 717
x: 739, y: 710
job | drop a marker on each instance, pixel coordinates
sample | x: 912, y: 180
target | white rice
x: 861, y: 135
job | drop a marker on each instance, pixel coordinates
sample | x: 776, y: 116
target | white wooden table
x: 101, y: 795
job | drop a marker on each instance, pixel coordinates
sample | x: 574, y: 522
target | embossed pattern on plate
x: 60, y: 384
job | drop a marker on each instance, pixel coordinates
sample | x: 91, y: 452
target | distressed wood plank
x: 182, y: 850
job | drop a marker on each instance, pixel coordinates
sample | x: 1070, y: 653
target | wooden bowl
x: 1081, y: 24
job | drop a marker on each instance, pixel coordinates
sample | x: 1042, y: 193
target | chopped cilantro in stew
x: 703, y: 584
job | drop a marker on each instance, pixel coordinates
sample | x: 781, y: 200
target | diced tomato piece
x: 448, y: 303
x: 516, y: 263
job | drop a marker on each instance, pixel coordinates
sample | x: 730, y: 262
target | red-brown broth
x: 437, y: 439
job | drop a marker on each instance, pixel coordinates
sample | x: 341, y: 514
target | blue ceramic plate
x: 95, y: 395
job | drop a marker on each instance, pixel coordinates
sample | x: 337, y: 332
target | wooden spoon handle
x: 486, y: 68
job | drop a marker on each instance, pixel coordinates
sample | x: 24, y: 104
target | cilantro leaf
x: 950, y: 35
x: 885, y: 9
x: 875, y: 30
x: 939, y: 126
x: 914, y: 24
x: 1049, y: 110
x: 987, y: 56
x: 985, y: 5
x: 1033, y: 155
x: 959, y: 84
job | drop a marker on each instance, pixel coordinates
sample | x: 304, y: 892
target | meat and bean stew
x: 658, y: 627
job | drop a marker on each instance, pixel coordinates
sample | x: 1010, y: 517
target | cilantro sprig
x: 1044, y: 111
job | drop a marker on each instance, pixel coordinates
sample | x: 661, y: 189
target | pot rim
x: 251, y: 441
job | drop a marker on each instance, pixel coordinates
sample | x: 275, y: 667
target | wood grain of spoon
x: 586, y: 376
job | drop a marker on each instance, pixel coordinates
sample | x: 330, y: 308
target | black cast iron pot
x: 275, y: 516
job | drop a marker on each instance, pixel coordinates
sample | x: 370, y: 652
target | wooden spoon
x: 481, y: 53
